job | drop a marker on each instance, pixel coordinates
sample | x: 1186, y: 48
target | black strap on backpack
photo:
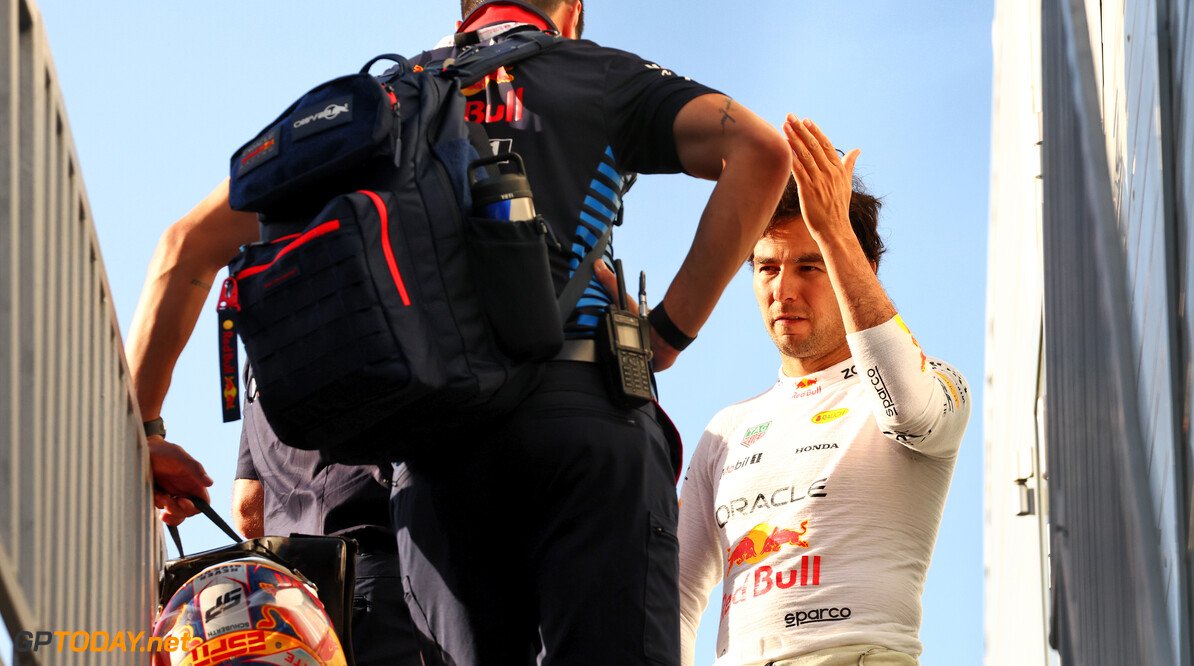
x: 475, y: 63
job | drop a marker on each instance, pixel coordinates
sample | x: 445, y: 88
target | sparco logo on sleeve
x: 319, y: 117
x: 880, y: 387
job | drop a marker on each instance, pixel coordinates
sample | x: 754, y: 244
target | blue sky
x: 160, y: 93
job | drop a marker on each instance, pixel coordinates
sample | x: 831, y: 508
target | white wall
x: 1016, y: 572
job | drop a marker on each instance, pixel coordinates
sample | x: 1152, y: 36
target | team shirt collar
x: 504, y: 11
x: 817, y: 380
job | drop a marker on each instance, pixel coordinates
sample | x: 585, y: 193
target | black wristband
x: 155, y: 427
x: 667, y: 330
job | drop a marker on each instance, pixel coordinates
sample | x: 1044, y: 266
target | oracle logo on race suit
x: 784, y: 495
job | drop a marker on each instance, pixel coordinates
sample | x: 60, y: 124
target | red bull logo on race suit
x: 806, y: 387
x: 761, y: 542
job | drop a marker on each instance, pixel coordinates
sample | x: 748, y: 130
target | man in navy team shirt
x: 553, y: 531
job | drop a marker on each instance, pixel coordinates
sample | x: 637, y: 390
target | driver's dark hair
x: 864, y: 218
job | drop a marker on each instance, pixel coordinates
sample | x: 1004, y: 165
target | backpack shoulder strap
x: 474, y: 64
x: 576, y: 285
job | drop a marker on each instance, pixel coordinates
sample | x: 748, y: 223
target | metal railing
x: 79, y: 544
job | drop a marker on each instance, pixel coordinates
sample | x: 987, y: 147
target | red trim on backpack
x: 284, y: 238
x: 386, y: 247
x: 325, y: 228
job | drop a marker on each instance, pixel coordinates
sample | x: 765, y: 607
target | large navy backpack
x: 378, y: 313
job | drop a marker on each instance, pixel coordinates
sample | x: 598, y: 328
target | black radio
x: 624, y: 347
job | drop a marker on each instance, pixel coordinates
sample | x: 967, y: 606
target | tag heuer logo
x: 755, y: 433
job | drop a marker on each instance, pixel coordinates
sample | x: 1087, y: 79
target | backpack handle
x: 403, y: 63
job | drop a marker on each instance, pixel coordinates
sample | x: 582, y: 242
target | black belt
x: 584, y: 351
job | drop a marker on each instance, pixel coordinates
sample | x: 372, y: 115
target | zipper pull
x: 229, y: 305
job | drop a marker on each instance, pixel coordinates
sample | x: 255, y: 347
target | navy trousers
x: 550, y: 536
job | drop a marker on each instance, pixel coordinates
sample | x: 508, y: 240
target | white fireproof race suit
x: 818, y: 502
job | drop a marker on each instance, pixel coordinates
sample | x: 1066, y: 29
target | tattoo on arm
x: 725, y: 114
x: 201, y: 284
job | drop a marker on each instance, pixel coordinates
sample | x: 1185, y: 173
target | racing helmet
x: 246, y: 611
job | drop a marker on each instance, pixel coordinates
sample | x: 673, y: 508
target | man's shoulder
x: 730, y: 416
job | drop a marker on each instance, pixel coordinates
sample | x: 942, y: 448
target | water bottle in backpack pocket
x: 508, y: 253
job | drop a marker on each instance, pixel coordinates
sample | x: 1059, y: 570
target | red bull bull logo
x: 762, y: 541
x: 806, y: 387
x: 229, y: 392
x: 502, y: 75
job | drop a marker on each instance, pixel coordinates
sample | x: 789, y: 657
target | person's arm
x: 184, y: 265
x: 248, y: 508
x: 921, y: 404
x: 825, y: 182
x: 719, y: 139
x: 248, y: 493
